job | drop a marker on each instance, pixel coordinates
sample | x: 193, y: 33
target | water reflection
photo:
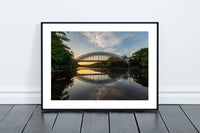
x: 101, y: 84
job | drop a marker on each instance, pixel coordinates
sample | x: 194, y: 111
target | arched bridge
x: 100, y: 57
x: 96, y: 78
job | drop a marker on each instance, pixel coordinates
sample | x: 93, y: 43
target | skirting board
x: 164, y: 97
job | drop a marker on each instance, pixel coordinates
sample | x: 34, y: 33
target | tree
x: 61, y: 55
x: 140, y: 58
x: 124, y: 57
x: 112, y: 58
x: 115, y: 61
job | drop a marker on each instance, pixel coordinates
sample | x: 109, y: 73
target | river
x: 99, y: 83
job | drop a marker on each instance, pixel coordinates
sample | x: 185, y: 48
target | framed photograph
x: 99, y: 65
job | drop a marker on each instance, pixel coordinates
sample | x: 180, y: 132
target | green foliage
x: 61, y: 56
x: 118, y: 63
x: 139, y: 58
x: 99, y: 64
x: 124, y: 57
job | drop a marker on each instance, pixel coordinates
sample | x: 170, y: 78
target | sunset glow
x: 86, y: 71
x: 86, y: 63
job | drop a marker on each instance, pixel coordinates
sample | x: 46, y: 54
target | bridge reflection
x: 97, y: 78
x: 98, y: 75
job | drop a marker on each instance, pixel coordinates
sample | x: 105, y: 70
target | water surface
x: 100, y: 84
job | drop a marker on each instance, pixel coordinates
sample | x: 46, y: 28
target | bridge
x: 100, y: 57
x: 96, y: 78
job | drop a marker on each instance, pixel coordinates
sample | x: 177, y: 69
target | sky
x: 120, y: 43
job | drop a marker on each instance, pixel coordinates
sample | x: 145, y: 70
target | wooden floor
x: 169, y: 118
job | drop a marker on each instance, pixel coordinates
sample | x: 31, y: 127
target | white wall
x: 179, y: 41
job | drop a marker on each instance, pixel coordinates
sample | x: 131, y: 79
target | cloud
x: 109, y: 50
x: 106, y: 39
x: 132, y: 52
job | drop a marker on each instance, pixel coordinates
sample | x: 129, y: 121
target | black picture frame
x: 63, y: 109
